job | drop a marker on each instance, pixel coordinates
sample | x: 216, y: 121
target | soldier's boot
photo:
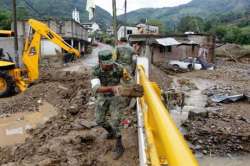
x: 119, y: 149
x: 111, y: 132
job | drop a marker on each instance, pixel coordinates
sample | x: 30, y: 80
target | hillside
x: 57, y: 9
x: 203, y: 8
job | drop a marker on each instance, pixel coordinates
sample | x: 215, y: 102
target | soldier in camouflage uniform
x: 124, y: 55
x: 107, y: 76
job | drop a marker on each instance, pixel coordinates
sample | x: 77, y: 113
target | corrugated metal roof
x: 169, y: 41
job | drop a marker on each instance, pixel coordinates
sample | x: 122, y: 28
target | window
x: 193, y: 47
x: 169, y: 48
x: 162, y: 49
x: 129, y: 32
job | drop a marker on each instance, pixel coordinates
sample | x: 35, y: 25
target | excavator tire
x: 7, y: 84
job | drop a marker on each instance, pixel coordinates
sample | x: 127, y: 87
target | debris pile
x: 174, y: 98
x: 50, y: 87
x: 71, y: 137
x: 233, y: 52
x: 226, y: 94
x: 218, y: 133
x: 187, y: 84
x: 170, y: 70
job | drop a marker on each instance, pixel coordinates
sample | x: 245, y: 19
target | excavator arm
x: 32, y: 46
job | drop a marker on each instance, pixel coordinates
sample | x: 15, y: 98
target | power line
x: 33, y: 8
x: 15, y: 30
x: 41, y: 15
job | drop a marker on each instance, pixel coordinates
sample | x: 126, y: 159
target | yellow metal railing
x: 165, y: 143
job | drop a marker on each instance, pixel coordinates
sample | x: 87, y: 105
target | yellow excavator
x: 12, y: 76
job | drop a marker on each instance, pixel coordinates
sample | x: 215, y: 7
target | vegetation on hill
x: 231, y: 28
x: 228, y: 19
x: 4, y: 20
x: 201, y: 8
x: 56, y: 9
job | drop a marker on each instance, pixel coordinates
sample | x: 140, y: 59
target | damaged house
x: 175, y: 47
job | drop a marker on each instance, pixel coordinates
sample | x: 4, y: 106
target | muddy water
x: 13, y: 128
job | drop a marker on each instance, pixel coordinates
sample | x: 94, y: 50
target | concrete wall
x: 179, y: 52
x: 67, y: 29
x: 72, y: 32
x: 49, y: 49
x: 120, y: 32
x: 145, y: 29
x: 161, y: 54
x: 8, y: 45
x: 206, y: 42
x: 49, y: 57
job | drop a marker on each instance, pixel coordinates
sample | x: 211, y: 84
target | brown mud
x: 70, y: 137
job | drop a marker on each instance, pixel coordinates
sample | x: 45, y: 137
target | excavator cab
x: 6, y: 64
x: 5, y: 56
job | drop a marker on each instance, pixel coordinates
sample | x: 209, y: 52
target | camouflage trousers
x: 109, y: 112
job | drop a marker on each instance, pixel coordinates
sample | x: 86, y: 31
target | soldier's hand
x: 116, y: 90
x: 135, y: 90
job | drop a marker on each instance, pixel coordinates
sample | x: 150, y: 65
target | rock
x: 73, y: 161
x: 47, y: 162
x: 200, y: 141
x: 87, y: 124
x: 193, y: 115
x: 204, y: 151
x: 91, y: 103
x: 73, y: 109
x: 40, y: 101
x: 86, y: 139
x: 197, y: 147
x: 63, y: 88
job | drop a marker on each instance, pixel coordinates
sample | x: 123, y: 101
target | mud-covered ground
x: 72, y: 136
x: 219, y: 129
x: 225, y: 129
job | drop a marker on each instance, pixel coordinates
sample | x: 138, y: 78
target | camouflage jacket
x: 124, y: 54
x: 108, y: 78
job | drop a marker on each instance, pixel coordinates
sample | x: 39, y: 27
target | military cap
x: 105, y: 56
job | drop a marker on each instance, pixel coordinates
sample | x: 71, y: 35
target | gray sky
x: 136, y: 4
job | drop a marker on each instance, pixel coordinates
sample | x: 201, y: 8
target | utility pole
x: 125, y: 19
x: 15, y: 31
x: 114, y: 20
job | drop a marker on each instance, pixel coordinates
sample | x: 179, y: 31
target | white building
x: 129, y: 31
x: 70, y: 30
x: 147, y: 29
x: 92, y: 27
x: 76, y: 15
x: 110, y: 31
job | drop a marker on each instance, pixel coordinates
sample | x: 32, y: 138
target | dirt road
x: 88, y: 61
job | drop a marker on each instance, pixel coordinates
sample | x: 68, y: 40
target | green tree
x: 155, y: 22
x: 22, y: 13
x: 5, y: 20
x: 244, y: 36
x: 220, y: 32
x: 232, y: 34
x: 190, y: 23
